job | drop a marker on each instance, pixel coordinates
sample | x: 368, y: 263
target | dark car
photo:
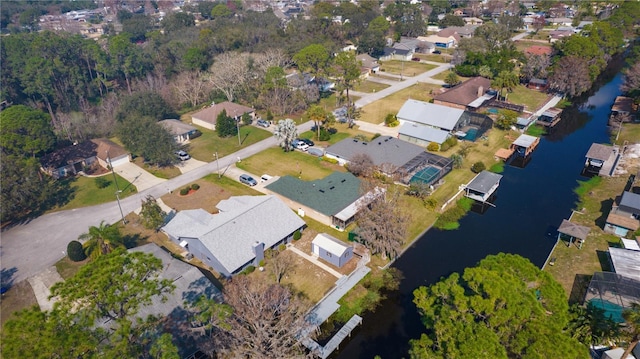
x: 263, y: 123
x: 307, y: 141
x: 248, y: 180
x: 415, y: 59
x: 437, y: 52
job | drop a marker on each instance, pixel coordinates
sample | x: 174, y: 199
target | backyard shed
x: 331, y: 249
x: 572, y: 231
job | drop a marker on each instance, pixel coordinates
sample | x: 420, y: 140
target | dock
x: 333, y: 344
x: 550, y: 117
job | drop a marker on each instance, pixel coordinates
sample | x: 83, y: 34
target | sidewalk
x: 138, y: 176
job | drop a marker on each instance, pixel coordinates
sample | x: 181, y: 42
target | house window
x: 328, y: 254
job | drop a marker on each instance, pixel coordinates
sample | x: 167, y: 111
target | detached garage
x: 331, y: 249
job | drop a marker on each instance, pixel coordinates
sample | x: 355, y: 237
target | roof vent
x: 364, y: 143
x: 322, y: 190
x: 379, y: 143
x: 332, y: 187
x: 354, y: 140
x: 343, y: 181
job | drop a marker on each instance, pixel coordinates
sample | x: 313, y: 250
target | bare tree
x: 265, y: 321
x: 270, y: 58
x: 631, y: 82
x: 571, y: 76
x: 190, y: 87
x: 382, y: 224
x: 536, y: 67
x: 361, y: 165
x: 286, y: 131
x: 280, y: 265
x: 229, y: 73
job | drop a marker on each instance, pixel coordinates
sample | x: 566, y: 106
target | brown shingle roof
x: 574, y: 230
x: 623, y: 221
x: 210, y: 114
x: 76, y: 153
x: 466, y: 92
x: 103, y: 145
x: 599, y: 152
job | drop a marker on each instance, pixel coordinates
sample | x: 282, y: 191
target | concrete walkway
x: 41, y: 284
x: 138, y: 176
x: 315, y: 261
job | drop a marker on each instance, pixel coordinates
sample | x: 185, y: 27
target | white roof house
x: 227, y: 241
x: 425, y: 113
x: 425, y: 133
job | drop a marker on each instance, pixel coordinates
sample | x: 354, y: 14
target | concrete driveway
x: 138, y: 176
x: 189, y: 165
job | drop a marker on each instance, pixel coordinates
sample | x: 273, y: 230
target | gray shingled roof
x: 176, y: 127
x: 242, y: 221
x: 599, y: 152
x: 328, y: 196
x: 189, y: 281
x: 382, y: 150
x: 630, y: 202
x: 425, y: 133
x: 484, y: 181
x: 430, y: 114
x: 574, y: 230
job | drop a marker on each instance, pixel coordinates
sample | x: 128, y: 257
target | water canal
x: 531, y: 202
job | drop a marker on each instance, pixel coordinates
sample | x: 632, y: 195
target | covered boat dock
x: 573, y: 231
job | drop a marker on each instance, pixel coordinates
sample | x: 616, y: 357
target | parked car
x: 298, y: 144
x: 265, y: 178
x: 183, y: 156
x: 415, y: 59
x: 315, y: 151
x: 437, y: 52
x: 248, y: 180
x: 307, y: 141
x: 263, y: 123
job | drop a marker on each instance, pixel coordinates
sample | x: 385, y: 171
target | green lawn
x: 376, y: 112
x: 443, y: 75
x: 370, y: 86
x: 160, y: 172
x: 630, y: 132
x: 203, y: 147
x: 275, y: 162
x: 86, y: 193
x: 343, y: 132
x: 407, y: 68
x: 432, y: 57
x: 531, y: 99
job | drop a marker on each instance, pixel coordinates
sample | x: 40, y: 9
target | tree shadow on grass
x: 579, y: 288
x: 605, y: 208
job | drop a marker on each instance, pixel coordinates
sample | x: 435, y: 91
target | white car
x: 300, y: 145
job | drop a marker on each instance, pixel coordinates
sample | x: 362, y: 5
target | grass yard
x: 276, y: 162
x: 343, y: 132
x: 212, y: 190
x: 630, y: 132
x: 86, y: 193
x: 523, y: 44
x: 68, y: 268
x: 531, y: 99
x: 432, y: 57
x: 20, y: 296
x: 203, y: 147
x: 574, y: 267
x: 443, y: 75
x: 370, y: 86
x: 376, y: 112
x: 406, y: 68
x: 160, y: 172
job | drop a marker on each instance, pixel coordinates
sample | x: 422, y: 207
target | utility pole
x: 217, y: 163
x: 115, y: 180
x: 237, y: 127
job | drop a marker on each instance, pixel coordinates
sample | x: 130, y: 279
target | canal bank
x: 530, y: 204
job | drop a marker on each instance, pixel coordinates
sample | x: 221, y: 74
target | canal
x: 531, y: 203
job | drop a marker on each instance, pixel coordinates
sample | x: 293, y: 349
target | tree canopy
x: 505, y: 307
x: 25, y: 131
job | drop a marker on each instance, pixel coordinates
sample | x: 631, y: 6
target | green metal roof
x: 328, y: 196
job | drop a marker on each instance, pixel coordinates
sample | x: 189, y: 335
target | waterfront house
x: 601, y: 159
x: 331, y: 249
x: 624, y: 215
x: 238, y: 235
x: 625, y: 262
x: 482, y: 186
x: 469, y: 95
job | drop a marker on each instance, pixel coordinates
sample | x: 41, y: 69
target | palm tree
x: 632, y: 318
x: 505, y: 79
x: 101, y: 240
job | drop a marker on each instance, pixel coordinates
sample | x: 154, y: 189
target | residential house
x: 402, y: 50
x: 387, y: 153
x: 469, y: 95
x: 558, y: 35
x: 331, y: 249
x: 180, y: 131
x: 538, y: 84
x: 473, y: 21
x: 624, y: 216
x: 369, y: 65
x: 238, y: 235
x: 460, y: 31
x: 208, y: 117
x: 333, y: 200
x: 560, y: 21
x: 421, y: 119
x: 625, y: 262
x: 71, y: 160
x: 482, y: 186
x: 442, y: 42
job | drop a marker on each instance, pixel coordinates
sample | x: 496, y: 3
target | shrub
x: 433, y: 147
x: 249, y: 270
x: 451, y: 141
x: 297, y: 235
x: 332, y: 130
x: 391, y: 120
x: 330, y: 160
x: 478, y: 167
x: 376, y: 135
x: 184, y: 191
x: 195, y: 186
x: 324, y: 135
x: 444, y: 147
x: 262, y: 263
x: 102, y: 182
x: 75, y: 251
x: 282, y: 247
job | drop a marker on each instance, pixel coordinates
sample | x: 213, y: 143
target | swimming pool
x: 472, y: 134
x: 425, y: 175
x: 612, y: 310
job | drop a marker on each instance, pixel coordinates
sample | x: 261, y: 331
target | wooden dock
x: 333, y: 343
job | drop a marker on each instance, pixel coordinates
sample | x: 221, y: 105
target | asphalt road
x: 29, y: 248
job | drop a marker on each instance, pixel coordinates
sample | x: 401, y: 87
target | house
x: 369, y: 64
x: 616, y: 353
x: 333, y: 200
x: 482, y: 186
x: 458, y: 32
x: 180, y: 131
x: 469, y: 95
x: 600, y: 159
x: 189, y: 281
x: 558, y: 35
x: 238, y: 235
x: 625, y: 262
x: 207, y: 118
x: 441, y: 42
x: 71, y: 160
x: 422, y: 135
x: 624, y: 216
x: 387, y: 153
x: 473, y: 21
x: 524, y: 145
x: 538, y: 84
x: 331, y: 249
x: 423, y: 122
x: 400, y: 51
